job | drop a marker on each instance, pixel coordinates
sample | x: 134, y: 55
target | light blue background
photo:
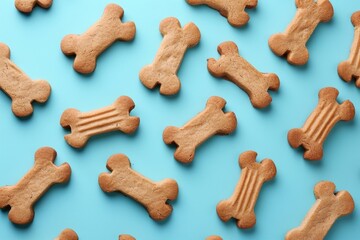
x: 35, y: 45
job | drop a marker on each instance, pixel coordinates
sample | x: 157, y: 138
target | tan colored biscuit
x: 329, y: 206
x: 26, y: 6
x: 233, y: 10
x: 22, y: 196
x: 170, y: 55
x: 350, y: 69
x: 19, y: 87
x: 211, y: 121
x: 292, y: 43
x: 126, y: 237
x: 319, y: 124
x: 153, y: 196
x: 115, y: 117
x: 213, y: 238
x: 237, y: 70
x: 67, y: 234
x: 242, y: 203
x: 88, y: 46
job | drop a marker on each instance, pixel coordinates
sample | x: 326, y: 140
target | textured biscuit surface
x: 213, y: 120
x: 115, y: 117
x: 329, y: 206
x: 236, y: 69
x: 350, y: 69
x: 88, y: 46
x: 19, y: 87
x: 233, y: 10
x: 22, y: 196
x: 292, y: 43
x: 67, y: 234
x: 319, y: 124
x: 169, y: 56
x: 126, y: 237
x: 26, y: 6
x: 242, y: 203
x: 154, y: 196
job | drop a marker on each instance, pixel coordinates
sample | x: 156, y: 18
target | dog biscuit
x: 170, y: 55
x: 242, y: 203
x: 329, y: 206
x: 212, y: 121
x: 22, y: 196
x: 350, y: 69
x: 111, y: 118
x: 213, y: 238
x: 233, y: 10
x: 237, y: 70
x: 88, y: 46
x: 67, y: 234
x: 19, y: 87
x: 292, y: 43
x: 319, y: 124
x: 126, y: 237
x: 26, y: 6
x: 153, y: 196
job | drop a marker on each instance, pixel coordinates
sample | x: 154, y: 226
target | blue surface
x: 34, y: 41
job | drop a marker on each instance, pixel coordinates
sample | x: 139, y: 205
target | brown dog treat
x: 19, y: 87
x: 153, y: 196
x: 214, y: 238
x: 242, y: 203
x: 67, y: 234
x: 108, y: 119
x: 88, y: 46
x: 292, y: 43
x: 350, y: 69
x: 26, y: 6
x: 170, y: 55
x: 329, y: 206
x: 126, y: 237
x: 319, y: 124
x: 233, y: 10
x: 237, y: 70
x: 212, y: 121
x: 22, y: 196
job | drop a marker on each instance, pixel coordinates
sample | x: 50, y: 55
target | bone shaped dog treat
x: 22, y: 196
x: 67, y: 234
x: 242, y: 203
x: 111, y: 118
x: 88, y: 46
x: 236, y: 69
x: 211, y: 121
x: 26, y: 6
x: 329, y: 206
x: 350, y: 69
x: 319, y: 124
x: 292, y: 43
x: 233, y: 10
x: 213, y: 238
x: 19, y: 87
x: 170, y: 55
x: 153, y: 196
x: 126, y: 237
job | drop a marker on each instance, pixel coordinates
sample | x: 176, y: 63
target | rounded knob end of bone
x: 326, y: 11
x: 278, y: 43
x: 355, y: 18
x: 69, y: 117
x: 169, y: 188
x: 346, y: 203
x: 185, y: 154
x: 268, y: 169
x: 192, y: 34
x: 328, y: 93
x: 24, y: 6
x: 171, y: 86
x: 118, y: 161
x: 224, y: 211
x: 4, y: 50
x: 238, y: 18
x: 324, y: 189
x: 346, y: 71
x: 295, y: 137
x: 168, y: 25
x: 216, y: 101
x: 68, y: 234
x: 159, y: 212
x: 69, y: 44
x: 248, y: 220
x: 314, y: 152
x: 347, y: 111
x: 45, y: 154
x: 21, y: 215
x: 246, y: 159
x: 169, y: 134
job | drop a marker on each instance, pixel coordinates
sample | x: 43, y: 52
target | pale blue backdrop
x: 35, y: 45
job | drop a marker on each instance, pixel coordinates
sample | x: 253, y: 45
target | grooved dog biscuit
x: 19, y: 87
x: 111, y: 118
x: 236, y: 69
x: 233, y: 10
x: 319, y: 124
x: 214, y: 238
x: 26, y: 6
x: 292, y: 43
x: 329, y: 206
x: 170, y: 55
x: 153, y: 196
x: 88, y: 46
x: 126, y: 237
x: 67, y: 234
x: 22, y: 196
x: 212, y: 121
x: 350, y: 69
x: 242, y: 203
